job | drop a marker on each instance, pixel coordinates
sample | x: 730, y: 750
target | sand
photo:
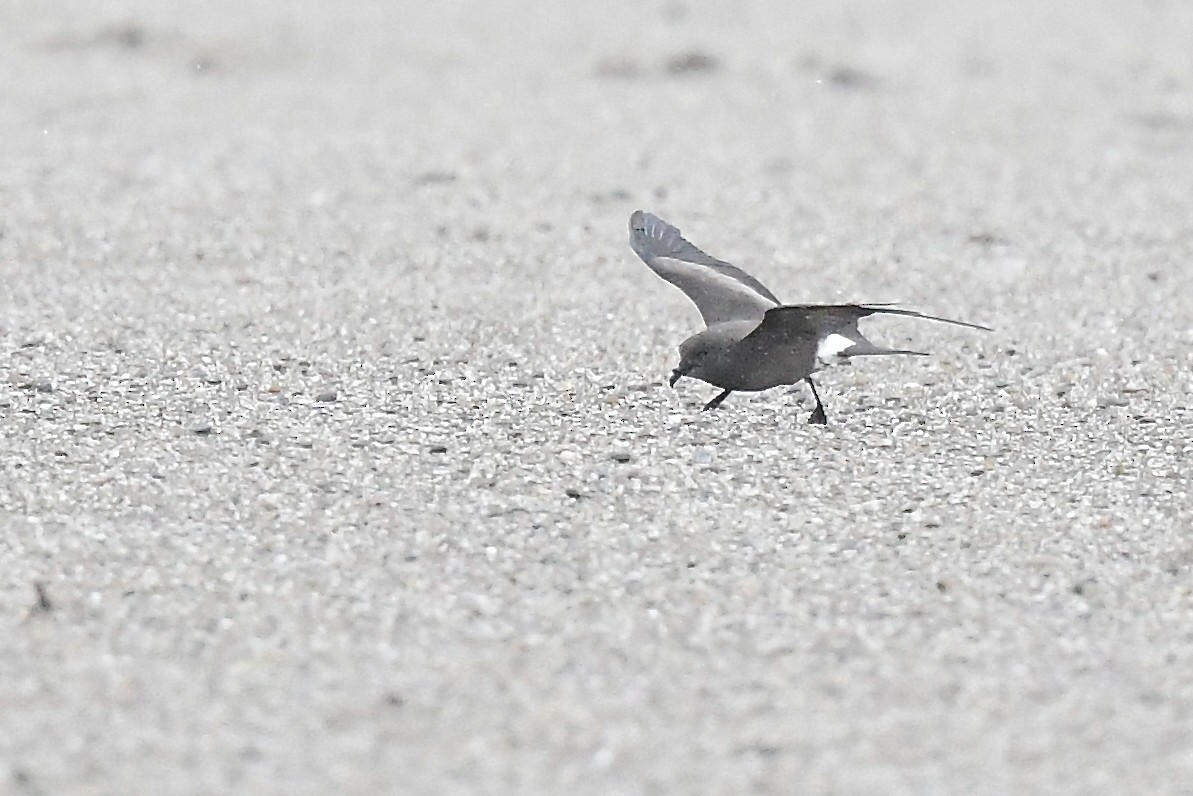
x: 334, y: 428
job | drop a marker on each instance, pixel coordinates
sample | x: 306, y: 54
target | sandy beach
x: 336, y: 449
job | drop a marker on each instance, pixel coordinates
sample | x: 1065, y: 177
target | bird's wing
x: 722, y: 292
x: 834, y: 327
x: 862, y: 310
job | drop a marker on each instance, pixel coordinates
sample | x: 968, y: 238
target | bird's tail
x: 848, y: 342
x: 862, y: 347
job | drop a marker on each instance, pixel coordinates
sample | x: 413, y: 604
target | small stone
x: 43, y: 386
x: 438, y: 449
x: 326, y: 396
x: 852, y: 78
x: 201, y: 428
x: 691, y: 63
x: 435, y: 178
x: 620, y: 456
x: 43, y: 603
x: 574, y: 494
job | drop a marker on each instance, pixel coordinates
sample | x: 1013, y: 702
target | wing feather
x: 721, y: 291
x: 810, y: 332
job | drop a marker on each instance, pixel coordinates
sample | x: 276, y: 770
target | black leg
x: 715, y: 402
x: 818, y: 417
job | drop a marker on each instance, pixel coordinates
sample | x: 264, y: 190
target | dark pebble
x: 690, y: 63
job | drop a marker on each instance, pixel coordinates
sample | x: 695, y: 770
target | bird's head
x: 692, y: 355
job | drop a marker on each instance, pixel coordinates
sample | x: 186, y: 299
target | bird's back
x: 738, y: 359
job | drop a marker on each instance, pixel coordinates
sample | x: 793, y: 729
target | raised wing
x: 722, y: 292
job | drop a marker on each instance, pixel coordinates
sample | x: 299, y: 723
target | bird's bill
x: 675, y: 376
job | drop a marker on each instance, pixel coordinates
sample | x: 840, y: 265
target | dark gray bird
x: 753, y: 341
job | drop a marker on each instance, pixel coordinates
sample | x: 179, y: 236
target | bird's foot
x: 818, y: 417
x: 715, y: 402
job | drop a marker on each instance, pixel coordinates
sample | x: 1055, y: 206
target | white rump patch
x: 832, y: 346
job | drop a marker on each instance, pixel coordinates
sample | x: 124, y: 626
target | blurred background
x: 879, y: 150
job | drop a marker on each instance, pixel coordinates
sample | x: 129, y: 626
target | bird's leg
x: 818, y: 417
x: 715, y: 402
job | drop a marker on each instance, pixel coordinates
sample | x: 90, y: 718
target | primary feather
x: 721, y: 291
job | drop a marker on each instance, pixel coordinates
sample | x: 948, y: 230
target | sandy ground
x: 334, y: 428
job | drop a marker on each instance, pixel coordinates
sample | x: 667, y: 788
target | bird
x: 752, y: 341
